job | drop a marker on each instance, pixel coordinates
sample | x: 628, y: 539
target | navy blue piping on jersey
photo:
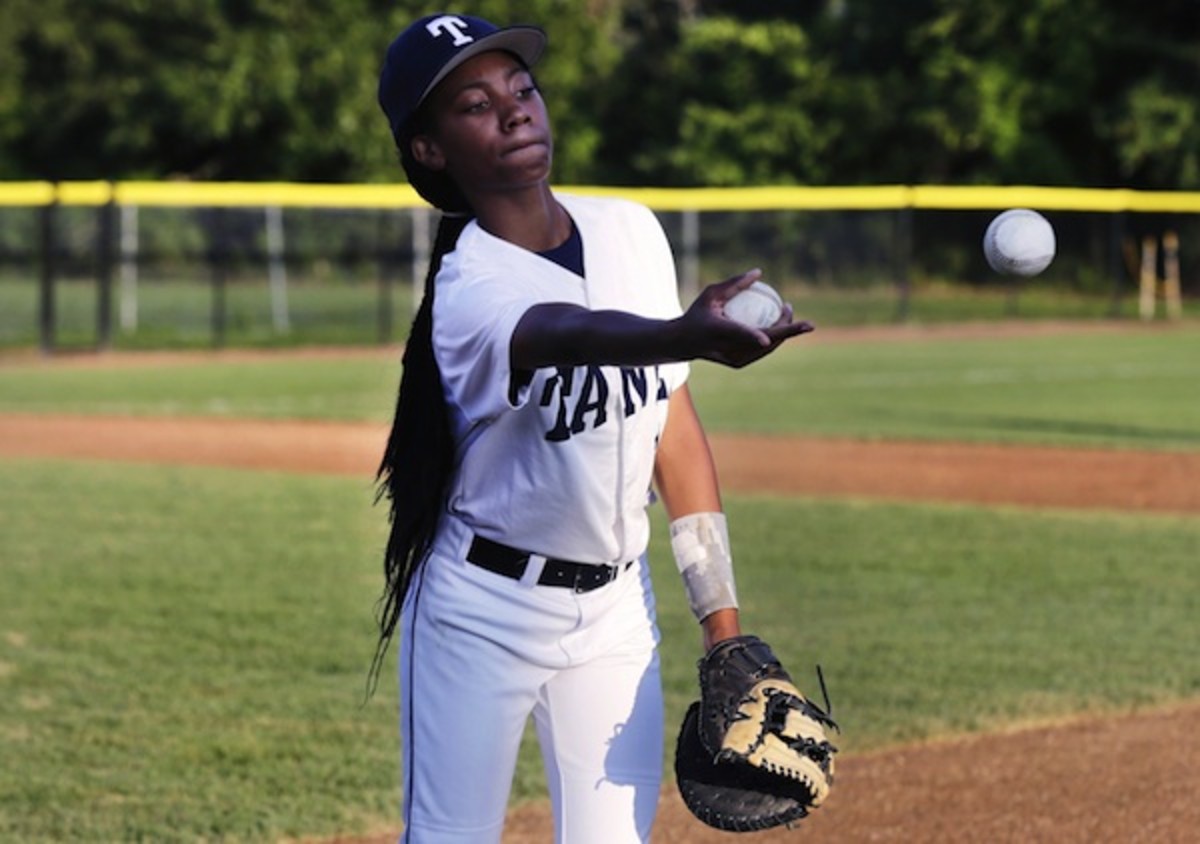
x: 409, y: 768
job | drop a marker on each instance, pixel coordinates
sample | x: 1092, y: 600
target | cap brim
x: 526, y: 42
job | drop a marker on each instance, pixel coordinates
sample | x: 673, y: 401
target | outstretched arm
x: 562, y: 334
x: 686, y: 478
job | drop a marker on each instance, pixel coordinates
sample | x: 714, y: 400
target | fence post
x: 217, y: 263
x: 277, y: 269
x: 49, y: 250
x: 384, y: 254
x: 1172, y: 284
x: 420, y: 252
x: 129, y: 268
x: 1116, y: 261
x: 104, y: 272
x: 691, y: 255
x: 903, y: 267
x: 1148, y: 278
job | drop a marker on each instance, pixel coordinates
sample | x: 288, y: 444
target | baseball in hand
x: 758, y: 306
x: 1019, y: 242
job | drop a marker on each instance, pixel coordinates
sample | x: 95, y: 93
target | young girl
x: 543, y: 394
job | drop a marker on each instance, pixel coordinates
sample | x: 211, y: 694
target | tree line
x: 641, y: 92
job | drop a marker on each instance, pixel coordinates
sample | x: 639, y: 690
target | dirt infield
x: 1131, y: 779
x: 990, y: 474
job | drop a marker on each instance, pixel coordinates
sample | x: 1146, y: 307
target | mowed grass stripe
x: 1126, y: 389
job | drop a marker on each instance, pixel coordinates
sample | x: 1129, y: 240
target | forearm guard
x: 700, y: 542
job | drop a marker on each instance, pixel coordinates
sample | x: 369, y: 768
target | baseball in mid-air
x: 1019, y: 242
x: 758, y: 306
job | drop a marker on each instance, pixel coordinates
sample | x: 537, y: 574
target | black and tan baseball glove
x: 753, y: 752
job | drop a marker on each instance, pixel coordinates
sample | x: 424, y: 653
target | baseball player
x: 543, y: 395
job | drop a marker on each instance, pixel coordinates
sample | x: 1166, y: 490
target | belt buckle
x: 588, y: 578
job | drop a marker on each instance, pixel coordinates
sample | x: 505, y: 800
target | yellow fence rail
x: 109, y: 244
x: 779, y: 198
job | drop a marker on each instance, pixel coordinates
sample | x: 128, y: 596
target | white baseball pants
x: 480, y: 653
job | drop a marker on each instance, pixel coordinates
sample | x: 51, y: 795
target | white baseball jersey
x: 562, y: 468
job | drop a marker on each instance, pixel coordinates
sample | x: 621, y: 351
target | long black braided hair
x: 414, y: 473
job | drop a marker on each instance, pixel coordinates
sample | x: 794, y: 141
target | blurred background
x: 1094, y: 94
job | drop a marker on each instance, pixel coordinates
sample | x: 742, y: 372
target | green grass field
x: 183, y: 651
x: 1134, y: 389
x: 1129, y: 390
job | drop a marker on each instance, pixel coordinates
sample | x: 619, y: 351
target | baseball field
x: 987, y: 536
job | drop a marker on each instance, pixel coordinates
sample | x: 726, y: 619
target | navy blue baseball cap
x: 429, y: 49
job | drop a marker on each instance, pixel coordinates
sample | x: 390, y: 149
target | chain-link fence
x: 266, y: 266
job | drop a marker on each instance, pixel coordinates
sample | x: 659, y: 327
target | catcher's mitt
x: 753, y: 752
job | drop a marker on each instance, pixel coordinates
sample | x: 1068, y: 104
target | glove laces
x: 824, y: 716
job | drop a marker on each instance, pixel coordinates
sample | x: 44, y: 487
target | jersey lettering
x: 563, y: 380
x: 572, y: 410
x: 593, y: 397
x: 635, y: 379
x: 455, y: 26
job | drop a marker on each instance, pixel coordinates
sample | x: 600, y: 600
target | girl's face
x: 488, y: 127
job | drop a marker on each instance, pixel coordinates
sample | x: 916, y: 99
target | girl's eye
x: 476, y: 106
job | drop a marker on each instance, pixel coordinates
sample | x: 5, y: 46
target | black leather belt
x: 511, y: 562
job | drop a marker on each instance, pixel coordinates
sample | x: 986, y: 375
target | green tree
x: 684, y: 92
x: 1152, y: 115
x: 637, y: 105
x: 253, y: 90
x: 752, y: 109
x: 1089, y: 92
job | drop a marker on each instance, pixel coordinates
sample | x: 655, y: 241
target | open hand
x: 726, y: 341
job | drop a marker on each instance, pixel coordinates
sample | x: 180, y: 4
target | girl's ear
x: 427, y: 153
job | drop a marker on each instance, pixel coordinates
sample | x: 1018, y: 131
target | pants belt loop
x: 533, y: 571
